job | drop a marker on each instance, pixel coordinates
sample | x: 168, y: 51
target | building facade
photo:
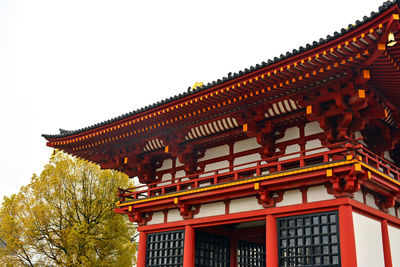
x: 293, y: 162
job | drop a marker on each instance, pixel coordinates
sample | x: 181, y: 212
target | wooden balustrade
x: 301, y: 159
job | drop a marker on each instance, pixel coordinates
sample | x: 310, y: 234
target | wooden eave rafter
x: 385, y: 74
x: 322, y: 63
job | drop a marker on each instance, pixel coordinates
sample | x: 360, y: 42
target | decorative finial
x: 197, y: 84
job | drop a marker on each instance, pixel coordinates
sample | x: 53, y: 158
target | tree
x: 65, y: 217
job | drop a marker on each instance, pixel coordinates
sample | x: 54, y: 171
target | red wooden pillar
x: 386, y: 244
x: 141, y: 257
x: 347, y: 239
x: 271, y: 242
x: 188, y: 251
x: 234, y: 256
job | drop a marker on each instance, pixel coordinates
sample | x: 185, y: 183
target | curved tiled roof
x: 386, y: 5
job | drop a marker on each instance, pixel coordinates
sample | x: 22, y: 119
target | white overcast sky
x: 70, y: 64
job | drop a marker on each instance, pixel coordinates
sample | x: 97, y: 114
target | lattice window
x: 251, y: 254
x: 212, y: 250
x: 165, y: 249
x: 309, y: 240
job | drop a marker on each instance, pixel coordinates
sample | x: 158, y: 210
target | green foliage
x: 65, y: 217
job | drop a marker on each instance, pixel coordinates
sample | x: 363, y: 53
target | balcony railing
x: 307, y: 158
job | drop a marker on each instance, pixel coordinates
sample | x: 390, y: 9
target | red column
x: 141, y: 257
x: 234, y: 258
x: 347, y: 239
x: 188, y: 251
x: 271, y: 242
x: 386, y: 244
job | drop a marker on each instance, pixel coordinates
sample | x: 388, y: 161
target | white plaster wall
x: 394, y: 240
x: 368, y: 237
x: 167, y: 164
x: 180, y: 174
x: 245, y: 159
x: 314, y: 144
x: 174, y: 215
x: 143, y: 188
x: 216, y: 166
x: 370, y: 201
x: 211, y: 209
x: 392, y: 211
x: 165, y: 177
x: 205, y: 183
x: 245, y: 144
x: 290, y: 134
x: 290, y: 197
x: 358, y: 135
x: 312, y: 128
x: 386, y: 155
x: 178, y: 163
x: 215, y: 152
x: 244, y: 204
x: 358, y: 196
x: 291, y: 149
x: 158, y: 217
x: 318, y: 193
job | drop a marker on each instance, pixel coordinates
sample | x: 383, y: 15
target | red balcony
x: 336, y: 160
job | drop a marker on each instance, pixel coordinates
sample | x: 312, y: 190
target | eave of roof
x: 235, y: 76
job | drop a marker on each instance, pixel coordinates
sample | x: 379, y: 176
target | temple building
x: 292, y: 162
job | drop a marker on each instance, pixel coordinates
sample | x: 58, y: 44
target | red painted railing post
x: 188, y: 251
x: 302, y: 163
x: 141, y: 257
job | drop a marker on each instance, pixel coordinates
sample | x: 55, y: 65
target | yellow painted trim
x: 381, y: 47
x: 256, y: 186
x: 361, y: 93
x: 357, y: 166
x: 366, y: 74
x: 247, y: 181
x: 309, y: 109
x: 329, y: 173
